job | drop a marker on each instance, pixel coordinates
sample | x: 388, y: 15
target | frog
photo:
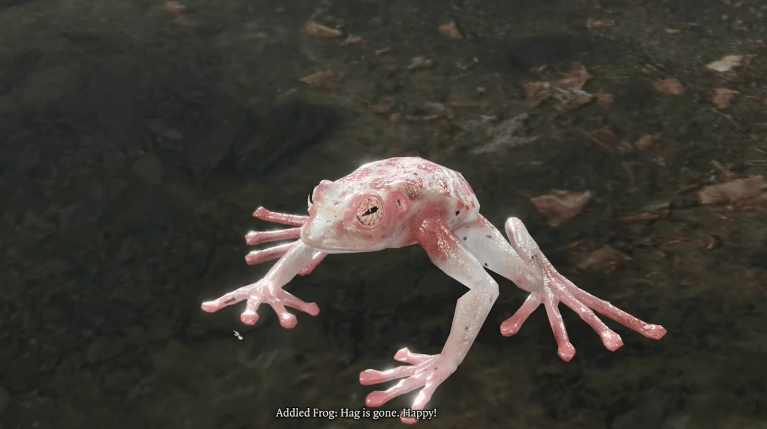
x: 404, y: 201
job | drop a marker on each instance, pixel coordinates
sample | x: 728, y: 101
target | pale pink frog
x: 402, y: 201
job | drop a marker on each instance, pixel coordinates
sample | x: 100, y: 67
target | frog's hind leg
x: 522, y: 262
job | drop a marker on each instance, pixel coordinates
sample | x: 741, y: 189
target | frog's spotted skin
x: 402, y: 201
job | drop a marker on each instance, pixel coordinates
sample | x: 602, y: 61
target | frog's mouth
x: 321, y: 232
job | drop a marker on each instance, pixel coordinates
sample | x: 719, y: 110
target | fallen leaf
x: 315, y: 29
x: 651, y: 212
x: 573, y: 100
x: 726, y: 63
x: 605, y: 138
x: 603, y: 260
x: 672, y: 30
x: 604, y: 99
x: 536, y: 93
x: 564, y: 85
x: 733, y: 192
x: 380, y: 108
x: 559, y: 206
x: 725, y: 171
x: 483, y: 105
x: 420, y: 63
x: 177, y: 8
x: 722, y: 97
x: 354, y: 40
x: 712, y: 242
x: 647, y: 142
x: 450, y: 30
x: 326, y: 80
x: 670, y: 86
x: 573, y: 76
x: 598, y: 23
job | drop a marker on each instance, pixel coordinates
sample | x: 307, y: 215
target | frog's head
x: 343, y: 217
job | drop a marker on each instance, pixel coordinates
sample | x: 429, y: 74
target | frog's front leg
x: 297, y: 257
x: 522, y: 262
x: 450, y: 255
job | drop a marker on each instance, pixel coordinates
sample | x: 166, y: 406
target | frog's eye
x: 369, y: 211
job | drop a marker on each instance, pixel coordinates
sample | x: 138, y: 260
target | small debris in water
x: 326, y: 80
x: 670, y: 86
x: 728, y: 62
x: 559, y: 206
x: 316, y: 29
x: 722, y: 97
x: 450, y: 30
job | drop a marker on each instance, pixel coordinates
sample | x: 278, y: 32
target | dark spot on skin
x: 458, y: 212
x: 466, y: 328
x: 489, y: 236
x: 416, y: 174
x: 464, y: 238
x: 485, y: 263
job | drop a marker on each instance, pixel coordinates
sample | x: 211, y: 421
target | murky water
x: 138, y: 138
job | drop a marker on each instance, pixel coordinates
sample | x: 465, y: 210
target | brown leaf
x: 651, y: 212
x: 315, y: 29
x: 450, y: 30
x: 420, y: 63
x: 573, y: 101
x: 176, y: 8
x: 535, y: 93
x: 483, y: 105
x: 326, y: 80
x: 670, y: 86
x: 712, y: 242
x: 603, y: 260
x: 573, y: 76
x: 722, y: 97
x: 647, y: 142
x: 598, y: 23
x: 604, y: 99
x: 736, y: 191
x: 354, y: 40
x: 379, y: 109
x: 605, y: 138
x: 559, y: 206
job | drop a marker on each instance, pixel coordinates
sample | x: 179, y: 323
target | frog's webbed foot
x: 257, y: 237
x: 301, y: 260
x: 550, y: 288
x: 263, y: 291
x: 427, y: 371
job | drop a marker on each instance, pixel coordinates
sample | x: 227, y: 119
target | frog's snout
x: 320, y: 232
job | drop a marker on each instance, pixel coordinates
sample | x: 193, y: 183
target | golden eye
x: 369, y: 211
